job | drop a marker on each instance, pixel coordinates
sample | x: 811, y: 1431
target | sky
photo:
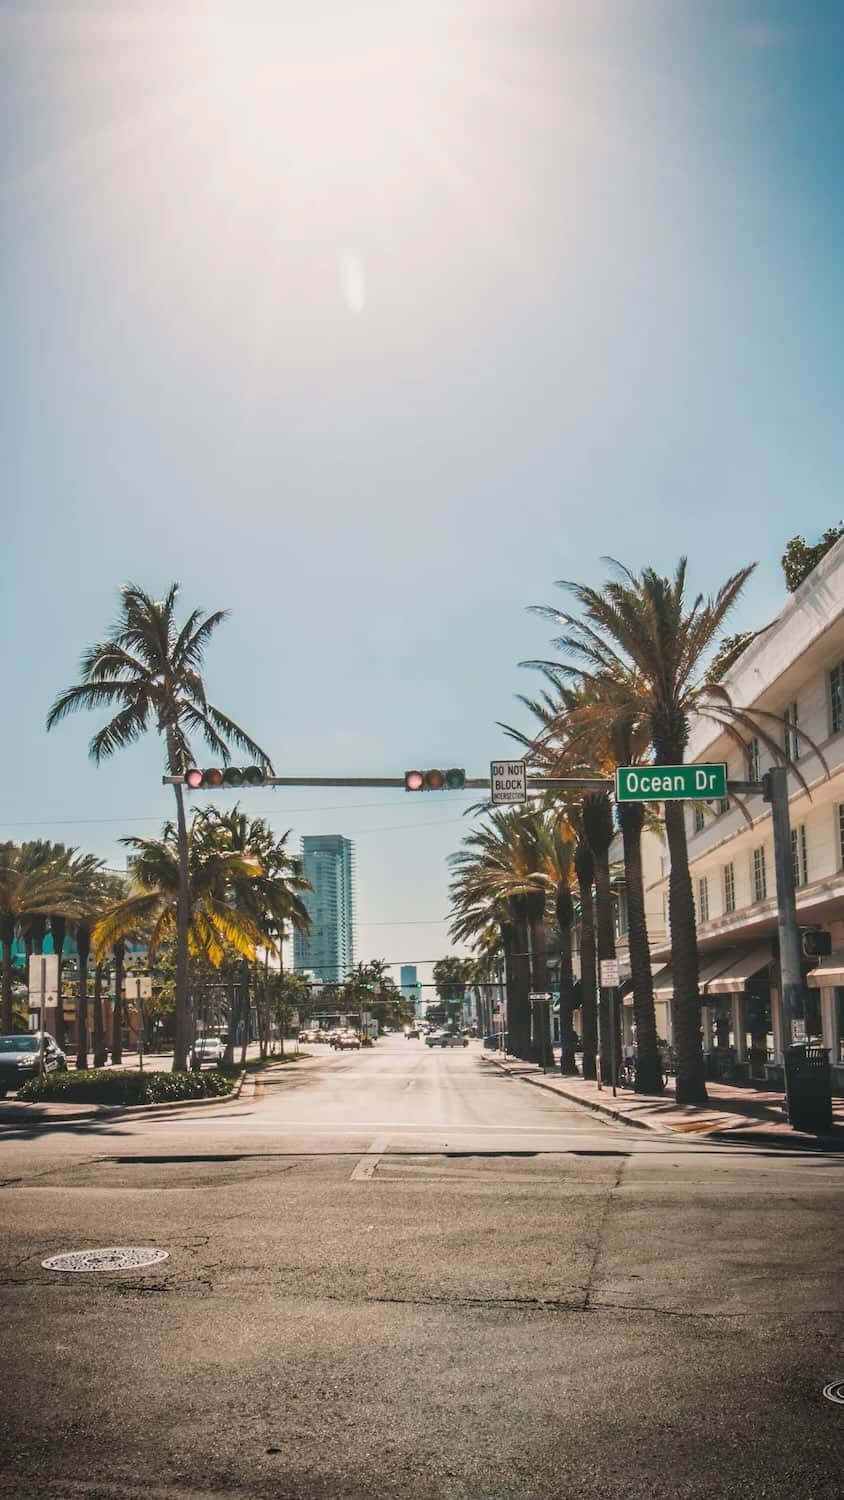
x: 371, y: 321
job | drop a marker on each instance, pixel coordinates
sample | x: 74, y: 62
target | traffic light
x: 227, y: 776
x: 453, y: 780
x: 814, y: 943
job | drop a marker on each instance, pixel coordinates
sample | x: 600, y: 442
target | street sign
x: 43, y: 980
x: 798, y: 1031
x: 671, y: 783
x: 542, y: 996
x: 609, y: 973
x: 508, y: 781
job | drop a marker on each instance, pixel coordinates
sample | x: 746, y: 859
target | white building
x: 793, y: 669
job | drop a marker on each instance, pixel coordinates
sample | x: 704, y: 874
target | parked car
x: 454, y: 1039
x: 208, y: 1049
x: 347, y: 1042
x: 19, y: 1058
x: 493, y: 1041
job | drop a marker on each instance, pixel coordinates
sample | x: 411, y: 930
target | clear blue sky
x: 369, y: 321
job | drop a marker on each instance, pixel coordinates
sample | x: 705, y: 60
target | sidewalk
x: 732, y: 1114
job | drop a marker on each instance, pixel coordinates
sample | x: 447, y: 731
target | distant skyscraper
x: 328, y: 949
x: 408, y: 983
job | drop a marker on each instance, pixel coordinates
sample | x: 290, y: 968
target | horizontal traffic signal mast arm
x: 481, y: 783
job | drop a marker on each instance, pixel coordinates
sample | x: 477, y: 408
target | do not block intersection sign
x: 508, y: 781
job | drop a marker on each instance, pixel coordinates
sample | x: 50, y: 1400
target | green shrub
x: 122, y: 1086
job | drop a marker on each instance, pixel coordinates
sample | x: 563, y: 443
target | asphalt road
x: 400, y: 1273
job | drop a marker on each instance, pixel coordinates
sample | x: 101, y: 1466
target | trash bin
x: 808, y: 1082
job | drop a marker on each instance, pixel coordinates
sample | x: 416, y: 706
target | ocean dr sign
x: 670, y: 783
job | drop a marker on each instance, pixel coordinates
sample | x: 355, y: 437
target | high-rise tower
x: 328, y: 949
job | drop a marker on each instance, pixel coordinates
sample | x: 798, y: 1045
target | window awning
x: 829, y: 973
x: 743, y: 967
x: 664, y: 984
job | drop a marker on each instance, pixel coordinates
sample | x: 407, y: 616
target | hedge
x: 123, y: 1086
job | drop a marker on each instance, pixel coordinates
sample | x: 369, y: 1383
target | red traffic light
x: 193, y: 778
x: 414, y: 781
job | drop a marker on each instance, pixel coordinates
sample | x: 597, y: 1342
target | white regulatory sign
x: 609, y: 973
x: 508, y: 781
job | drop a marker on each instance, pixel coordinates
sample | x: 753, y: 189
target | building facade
x: 410, y: 985
x: 328, y: 949
x: 793, y: 669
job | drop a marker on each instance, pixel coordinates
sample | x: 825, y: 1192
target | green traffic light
x: 254, y: 776
x: 232, y: 776
x: 455, y: 779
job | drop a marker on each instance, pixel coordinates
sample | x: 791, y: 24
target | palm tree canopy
x: 218, y: 921
x: 146, y: 674
x: 640, y: 670
x: 274, y: 897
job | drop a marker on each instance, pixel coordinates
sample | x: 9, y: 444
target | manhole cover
x: 114, y: 1258
x: 835, y: 1391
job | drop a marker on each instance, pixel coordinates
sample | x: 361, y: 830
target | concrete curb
x: 37, y: 1114
x: 597, y: 1107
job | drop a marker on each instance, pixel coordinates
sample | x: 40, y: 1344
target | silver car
x: 20, y: 1058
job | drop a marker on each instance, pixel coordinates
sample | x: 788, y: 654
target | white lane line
x: 365, y: 1168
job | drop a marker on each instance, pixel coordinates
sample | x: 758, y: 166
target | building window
x: 697, y: 817
x: 836, y: 698
x: 760, y: 881
x: 798, y: 854
x: 729, y: 888
x: 754, y: 764
x: 703, y: 899
x: 791, y: 738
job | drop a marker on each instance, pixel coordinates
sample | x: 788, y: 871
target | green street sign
x: 671, y: 783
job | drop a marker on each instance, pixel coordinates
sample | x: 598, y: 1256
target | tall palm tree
x: 642, y: 631
x: 147, y: 674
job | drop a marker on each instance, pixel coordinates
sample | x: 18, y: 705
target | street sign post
x: 609, y: 973
x: 671, y: 783
x: 508, y: 781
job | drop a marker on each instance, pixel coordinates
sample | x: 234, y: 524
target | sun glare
x: 339, y: 90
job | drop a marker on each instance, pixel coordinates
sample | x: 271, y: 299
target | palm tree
x: 31, y: 886
x: 502, y: 876
x: 641, y: 631
x: 219, y: 926
x: 272, y: 898
x: 147, y: 674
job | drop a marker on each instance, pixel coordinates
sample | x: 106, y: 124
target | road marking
x: 365, y: 1168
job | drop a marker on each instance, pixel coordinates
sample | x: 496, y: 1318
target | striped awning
x: 828, y: 974
x: 743, y: 967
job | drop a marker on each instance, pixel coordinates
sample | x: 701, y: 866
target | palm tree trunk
x: 690, y: 1084
x: 83, y: 951
x: 543, y: 1050
x: 565, y: 917
x: 7, y: 937
x: 100, y: 1053
x: 58, y: 932
x: 648, y: 1069
x: 588, y: 986
x: 118, y: 953
x: 606, y: 949
x: 182, y: 998
x: 244, y: 981
x: 518, y: 1005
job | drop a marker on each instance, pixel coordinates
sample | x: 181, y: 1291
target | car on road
x: 208, y: 1049
x: 434, y: 1039
x: 454, y: 1039
x: 412, y: 1033
x: 20, y: 1058
x: 348, y: 1042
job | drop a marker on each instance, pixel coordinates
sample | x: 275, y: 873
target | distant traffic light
x: 452, y: 780
x: 228, y: 776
